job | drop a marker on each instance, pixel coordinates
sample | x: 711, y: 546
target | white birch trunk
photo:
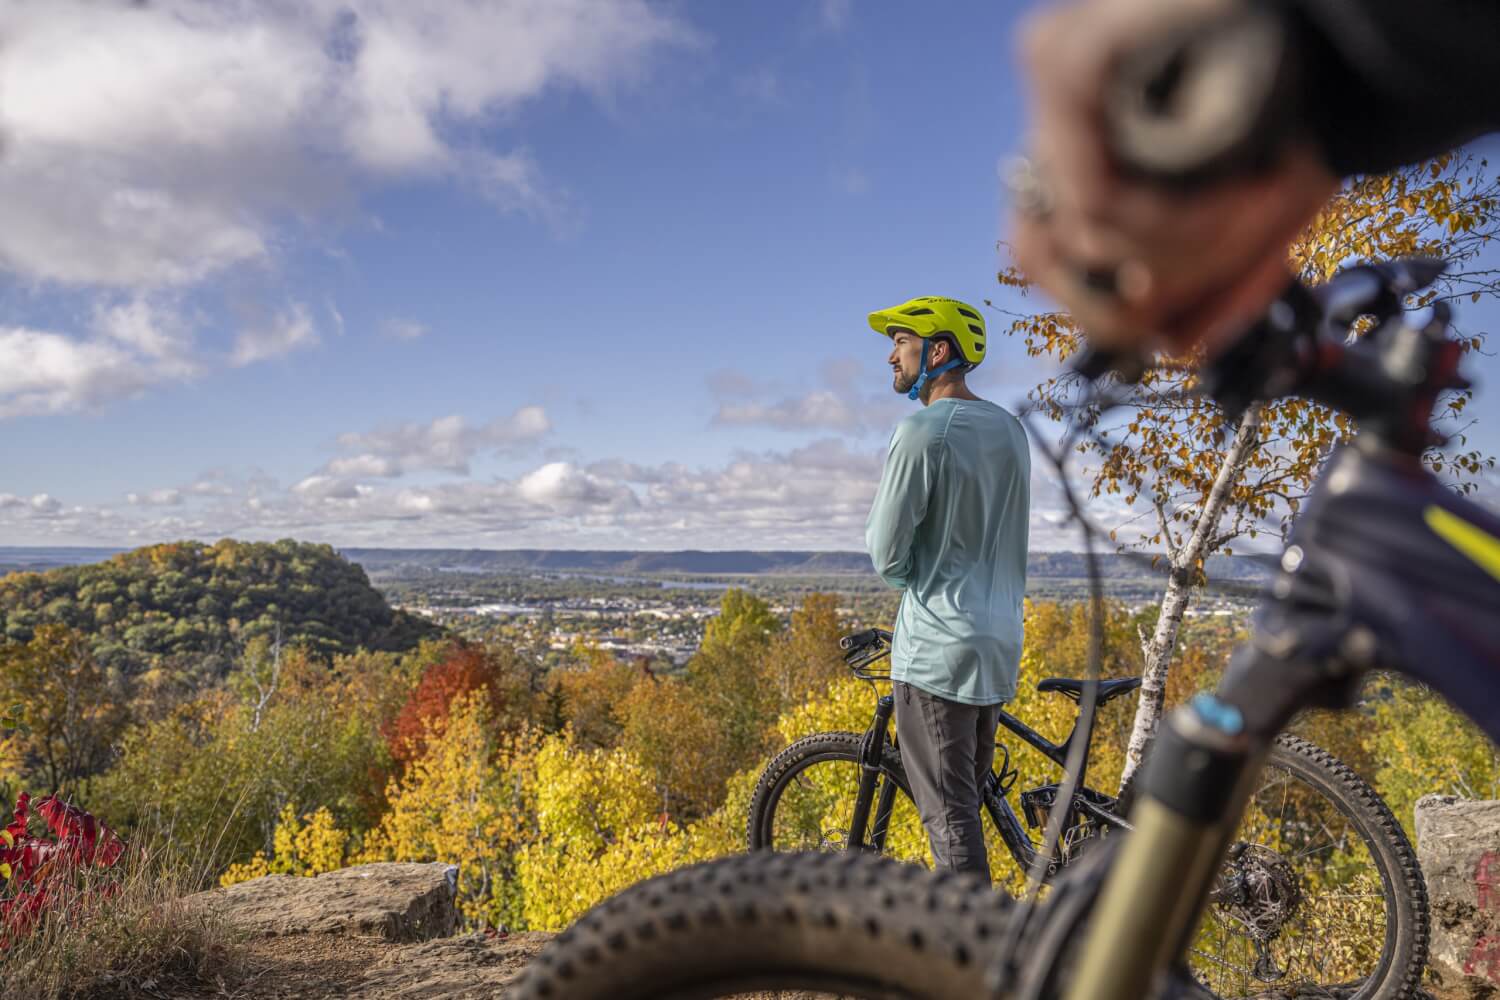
x: 1157, y: 652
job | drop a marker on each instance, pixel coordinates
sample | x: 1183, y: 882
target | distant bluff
x: 189, y: 600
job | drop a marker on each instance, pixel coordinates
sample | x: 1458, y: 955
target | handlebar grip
x: 859, y: 640
x: 1212, y: 99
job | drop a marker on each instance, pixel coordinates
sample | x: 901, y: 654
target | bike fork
x: 871, y: 752
x: 1194, y: 789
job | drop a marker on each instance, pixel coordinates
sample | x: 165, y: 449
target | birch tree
x: 1194, y: 483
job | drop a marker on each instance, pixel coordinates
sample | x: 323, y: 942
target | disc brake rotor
x: 1256, y: 896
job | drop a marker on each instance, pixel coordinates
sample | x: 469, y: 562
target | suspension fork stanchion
x: 1195, y: 784
x: 883, y: 809
x: 871, y: 750
x: 1193, y: 790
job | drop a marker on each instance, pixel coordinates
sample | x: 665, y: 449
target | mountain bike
x: 1386, y: 569
x: 1316, y: 850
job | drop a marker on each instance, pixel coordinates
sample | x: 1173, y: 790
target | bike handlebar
x: 1309, y: 345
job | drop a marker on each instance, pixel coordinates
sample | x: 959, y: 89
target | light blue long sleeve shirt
x: 949, y: 527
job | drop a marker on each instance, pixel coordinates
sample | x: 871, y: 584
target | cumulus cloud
x: 158, y: 144
x: 37, y: 505
x: 155, y: 498
x: 816, y: 496
x: 822, y: 409
x: 213, y: 483
x: 290, y: 330
x: 842, y: 404
x: 132, y: 345
x: 447, y: 444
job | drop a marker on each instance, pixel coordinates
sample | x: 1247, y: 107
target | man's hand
x: 1188, y: 267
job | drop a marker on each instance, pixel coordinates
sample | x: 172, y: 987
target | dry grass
x: 127, y: 932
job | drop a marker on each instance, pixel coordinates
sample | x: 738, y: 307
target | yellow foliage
x: 465, y: 801
x: 1425, y: 747
x: 586, y: 798
x: 310, y: 846
x: 599, y: 831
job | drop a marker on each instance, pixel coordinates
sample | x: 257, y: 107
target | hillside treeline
x: 196, y: 606
x: 553, y: 781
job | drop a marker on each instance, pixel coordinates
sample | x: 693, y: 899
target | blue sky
x: 568, y: 273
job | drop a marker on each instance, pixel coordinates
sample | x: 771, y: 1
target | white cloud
x: 38, y: 505
x: 158, y: 144
x: 327, y: 488
x: 843, y: 405
x: 448, y: 444
x: 816, y: 496
x: 288, y: 331
x: 213, y: 483
x: 132, y: 345
x: 822, y: 409
x: 155, y: 498
x: 562, y: 484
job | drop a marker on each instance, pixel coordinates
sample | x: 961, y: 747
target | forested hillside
x: 552, y: 776
x: 191, y: 601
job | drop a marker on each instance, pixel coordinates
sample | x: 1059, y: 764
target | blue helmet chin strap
x: 924, y: 376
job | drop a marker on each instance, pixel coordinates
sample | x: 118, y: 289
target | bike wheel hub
x: 1258, y: 890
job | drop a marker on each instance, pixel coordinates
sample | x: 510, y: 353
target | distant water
x: 664, y: 584
x: 29, y: 558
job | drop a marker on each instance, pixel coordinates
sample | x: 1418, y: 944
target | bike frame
x: 1387, y: 569
x: 880, y: 797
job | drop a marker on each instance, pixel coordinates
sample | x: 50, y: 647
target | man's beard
x: 902, y: 383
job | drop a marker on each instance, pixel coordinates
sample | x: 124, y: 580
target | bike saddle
x: 1074, y: 688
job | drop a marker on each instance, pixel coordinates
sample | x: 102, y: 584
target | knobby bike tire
x: 1408, y: 920
x: 1403, y: 952
x: 789, y: 763
x: 852, y: 924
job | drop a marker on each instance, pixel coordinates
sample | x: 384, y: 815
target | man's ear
x: 940, y: 353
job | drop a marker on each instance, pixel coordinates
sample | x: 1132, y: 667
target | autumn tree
x: 1197, y: 483
x: 694, y: 732
x: 803, y: 660
x: 217, y: 779
x: 74, y: 707
x: 592, y: 693
x: 507, y: 681
x: 465, y: 800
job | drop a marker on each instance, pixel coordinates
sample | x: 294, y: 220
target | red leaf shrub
x: 464, y: 670
x: 49, y: 871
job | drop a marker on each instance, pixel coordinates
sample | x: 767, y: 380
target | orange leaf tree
x: 1196, y: 483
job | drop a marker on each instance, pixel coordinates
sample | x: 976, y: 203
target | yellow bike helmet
x: 932, y: 316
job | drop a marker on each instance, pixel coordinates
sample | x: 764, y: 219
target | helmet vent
x: 965, y: 312
x: 916, y: 312
x: 977, y: 331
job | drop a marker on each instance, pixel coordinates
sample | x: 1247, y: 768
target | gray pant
x: 947, y: 748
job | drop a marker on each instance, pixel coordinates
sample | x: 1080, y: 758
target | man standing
x: 949, y: 528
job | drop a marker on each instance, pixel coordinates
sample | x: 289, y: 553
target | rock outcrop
x: 472, y: 967
x: 394, y: 901
x: 1458, y: 844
